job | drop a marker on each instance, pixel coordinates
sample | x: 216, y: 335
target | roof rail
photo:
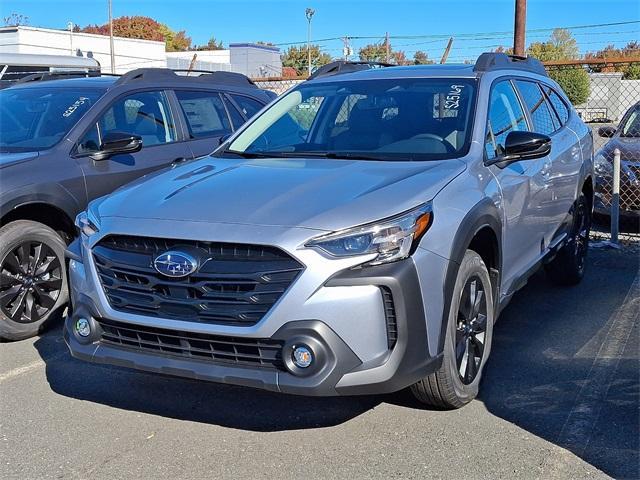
x: 44, y: 76
x: 501, y: 61
x: 341, y: 66
x: 221, y: 78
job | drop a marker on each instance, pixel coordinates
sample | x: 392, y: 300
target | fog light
x: 302, y: 356
x: 83, y: 328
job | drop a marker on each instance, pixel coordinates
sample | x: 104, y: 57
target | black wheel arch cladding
x: 483, y: 214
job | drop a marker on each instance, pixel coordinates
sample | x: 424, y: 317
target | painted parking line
x: 30, y: 367
x: 577, y: 430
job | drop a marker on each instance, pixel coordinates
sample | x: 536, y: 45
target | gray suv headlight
x: 390, y: 239
x: 87, y: 224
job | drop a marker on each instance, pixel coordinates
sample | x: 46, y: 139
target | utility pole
x: 445, y: 55
x: 113, y: 55
x: 347, y: 51
x: 309, y: 14
x: 519, y: 28
x: 387, y: 47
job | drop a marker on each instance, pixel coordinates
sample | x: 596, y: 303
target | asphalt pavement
x: 560, y: 399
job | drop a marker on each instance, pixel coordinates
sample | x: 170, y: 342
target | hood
x: 629, y: 148
x: 318, y: 193
x: 7, y: 159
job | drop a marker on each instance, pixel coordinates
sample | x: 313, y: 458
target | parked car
x: 65, y: 141
x: 359, y: 236
x: 625, y: 138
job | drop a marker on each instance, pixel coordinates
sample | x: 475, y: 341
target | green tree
x: 574, y: 81
x: 297, y: 57
x: 374, y: 52
x: 560, y: 46
x: 631, y: 71
x: 421, y: 58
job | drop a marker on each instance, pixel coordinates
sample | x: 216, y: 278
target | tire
x: 567, y: 268
x: 454, y: 384
x: 33, y: 278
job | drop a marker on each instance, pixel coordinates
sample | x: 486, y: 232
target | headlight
x: 86, y: 225
x: 390, y: 239
x: 602, y: 165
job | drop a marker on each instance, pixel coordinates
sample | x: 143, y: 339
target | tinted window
x: 630, y: 126
x: 558, y: 105
x: 90, y: 143
x: 36, y: 118
x: 543, y: 121
x: 236, y: 119
x: 505, y: 116
x: 390, y: 119
x: 146, y: 114
x: 205, y: 113
x: 249, y: 106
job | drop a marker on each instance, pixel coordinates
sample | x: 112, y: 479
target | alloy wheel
x: 471, y: 330
x: 30, y: 281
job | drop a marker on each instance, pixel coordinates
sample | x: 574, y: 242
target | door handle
x: 178, y: 161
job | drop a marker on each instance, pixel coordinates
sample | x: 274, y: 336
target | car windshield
x: 391, y: 119
x: 631, y: 124
x: 36, y: 118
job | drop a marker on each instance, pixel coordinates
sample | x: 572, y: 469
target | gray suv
x: 66, y: 139
x: 359, y: 236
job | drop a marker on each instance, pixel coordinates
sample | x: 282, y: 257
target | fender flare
x: 483, y: 214
x: 52, y: 194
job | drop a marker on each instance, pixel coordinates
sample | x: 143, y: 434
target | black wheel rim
x: 30, y: 281
x: 581, y: 234
x: 471, y: 330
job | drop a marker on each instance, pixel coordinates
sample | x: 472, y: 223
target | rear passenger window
x: 505, y: 116
x: 205, y: 113
x: 558, y: 105
x: 543, y: 120
x: 249, y: 106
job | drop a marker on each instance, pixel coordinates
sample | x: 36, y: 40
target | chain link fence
x: 606, y: 94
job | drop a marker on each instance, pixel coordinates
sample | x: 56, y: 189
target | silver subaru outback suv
x: 359, y: 235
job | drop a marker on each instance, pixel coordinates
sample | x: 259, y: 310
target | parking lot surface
x: 560, y: 399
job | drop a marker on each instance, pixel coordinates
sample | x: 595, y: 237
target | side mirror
x: 607, y: 131
x: 522, y: 146
x: 118, y: 142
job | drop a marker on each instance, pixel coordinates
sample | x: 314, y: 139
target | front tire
x: 468, y: 339
x: 33, y: 282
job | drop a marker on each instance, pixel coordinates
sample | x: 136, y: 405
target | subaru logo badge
x: 175, y: 264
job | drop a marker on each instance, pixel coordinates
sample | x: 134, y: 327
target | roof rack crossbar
x: 219, y: 77
x: 341, y: 66
x: 44, y: 76
x: 491, y: 61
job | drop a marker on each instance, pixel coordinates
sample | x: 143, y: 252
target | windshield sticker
x: 74, y: 106
x: 452, y: 101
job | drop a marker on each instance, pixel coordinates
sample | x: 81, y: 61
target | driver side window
x: 146, y: 114
x: 505, y: 116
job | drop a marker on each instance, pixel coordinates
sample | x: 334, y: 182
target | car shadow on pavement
x: 185, y: 399
x: 552, y: 349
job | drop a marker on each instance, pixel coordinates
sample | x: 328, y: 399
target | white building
x: 253, y: 60
x: 130, y: 53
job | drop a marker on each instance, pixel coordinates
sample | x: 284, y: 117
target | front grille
x: 390, y: 317
x: 213, y: 348
x: 234, y: 285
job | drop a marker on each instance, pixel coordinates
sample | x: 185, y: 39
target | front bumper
x: 343, y: 319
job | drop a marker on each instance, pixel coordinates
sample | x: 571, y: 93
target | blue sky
x: 284, y: 21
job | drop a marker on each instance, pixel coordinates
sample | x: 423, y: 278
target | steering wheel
x: 450, y: 148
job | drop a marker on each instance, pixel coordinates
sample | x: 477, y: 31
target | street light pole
x: 113, y: 55
x: 309, y: 14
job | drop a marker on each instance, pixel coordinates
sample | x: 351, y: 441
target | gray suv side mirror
x: 117, y: 142
x: 607, y: 131
x: 522, y: 146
